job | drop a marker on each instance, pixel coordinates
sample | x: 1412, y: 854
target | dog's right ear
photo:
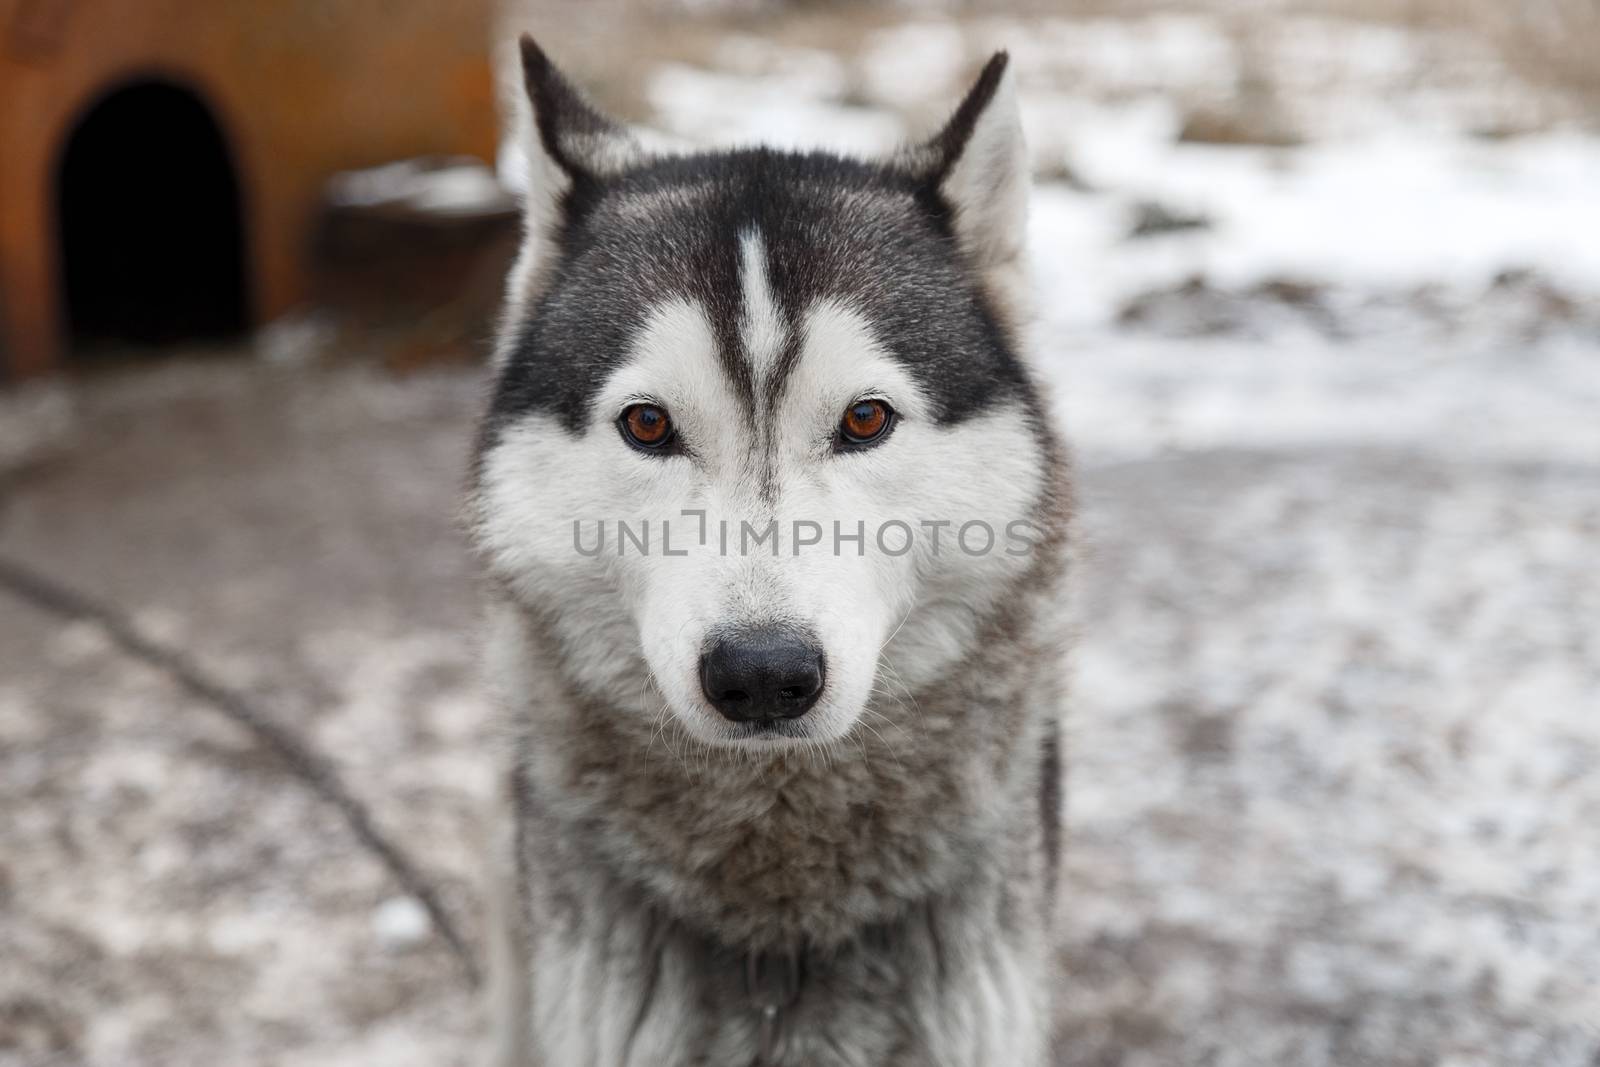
x: 569, y: 147
x: 570, y: 142
x: 572, y: 135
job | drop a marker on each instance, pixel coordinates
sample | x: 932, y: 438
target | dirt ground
x: 171, y: 894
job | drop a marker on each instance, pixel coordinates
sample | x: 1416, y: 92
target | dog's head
x: 761, y: 448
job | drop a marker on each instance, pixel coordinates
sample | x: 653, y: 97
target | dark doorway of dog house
x: 152, y: 238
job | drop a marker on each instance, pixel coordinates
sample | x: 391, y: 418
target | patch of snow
x: 297, y: 337
x: 1123, y: 396
x: 460, y: 186
x: 908, y: 66
x: 795, y: 108
x: 1390, y: 213
x: 400, y: 922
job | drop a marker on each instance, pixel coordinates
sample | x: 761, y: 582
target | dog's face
x: 760, y: 450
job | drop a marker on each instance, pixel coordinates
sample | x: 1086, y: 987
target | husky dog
x: 775, y: 524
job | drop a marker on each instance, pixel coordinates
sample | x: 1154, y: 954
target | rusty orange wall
x: 301, y: 89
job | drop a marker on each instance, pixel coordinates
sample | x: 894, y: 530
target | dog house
x: 162, y: 162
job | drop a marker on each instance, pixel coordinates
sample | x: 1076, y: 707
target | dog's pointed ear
x: 979, y: 166
x: 568, y: 144
x: 574, y: 137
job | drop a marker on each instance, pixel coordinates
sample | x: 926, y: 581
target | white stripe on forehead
x: 761, y: 325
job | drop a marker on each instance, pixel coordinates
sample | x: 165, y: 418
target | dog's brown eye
x: 865, y: 422
x: 646, y: 426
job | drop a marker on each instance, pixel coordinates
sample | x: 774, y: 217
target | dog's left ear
x: 979, y: 166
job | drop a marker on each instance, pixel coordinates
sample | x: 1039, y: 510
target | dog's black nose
x: 762, y: 675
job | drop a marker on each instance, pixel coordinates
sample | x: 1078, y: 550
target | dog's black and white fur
x: 869, y: 882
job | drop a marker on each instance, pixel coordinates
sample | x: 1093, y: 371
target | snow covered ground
x: 1320, y: 306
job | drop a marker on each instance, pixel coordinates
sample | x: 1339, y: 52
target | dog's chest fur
x: 935, y: 987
